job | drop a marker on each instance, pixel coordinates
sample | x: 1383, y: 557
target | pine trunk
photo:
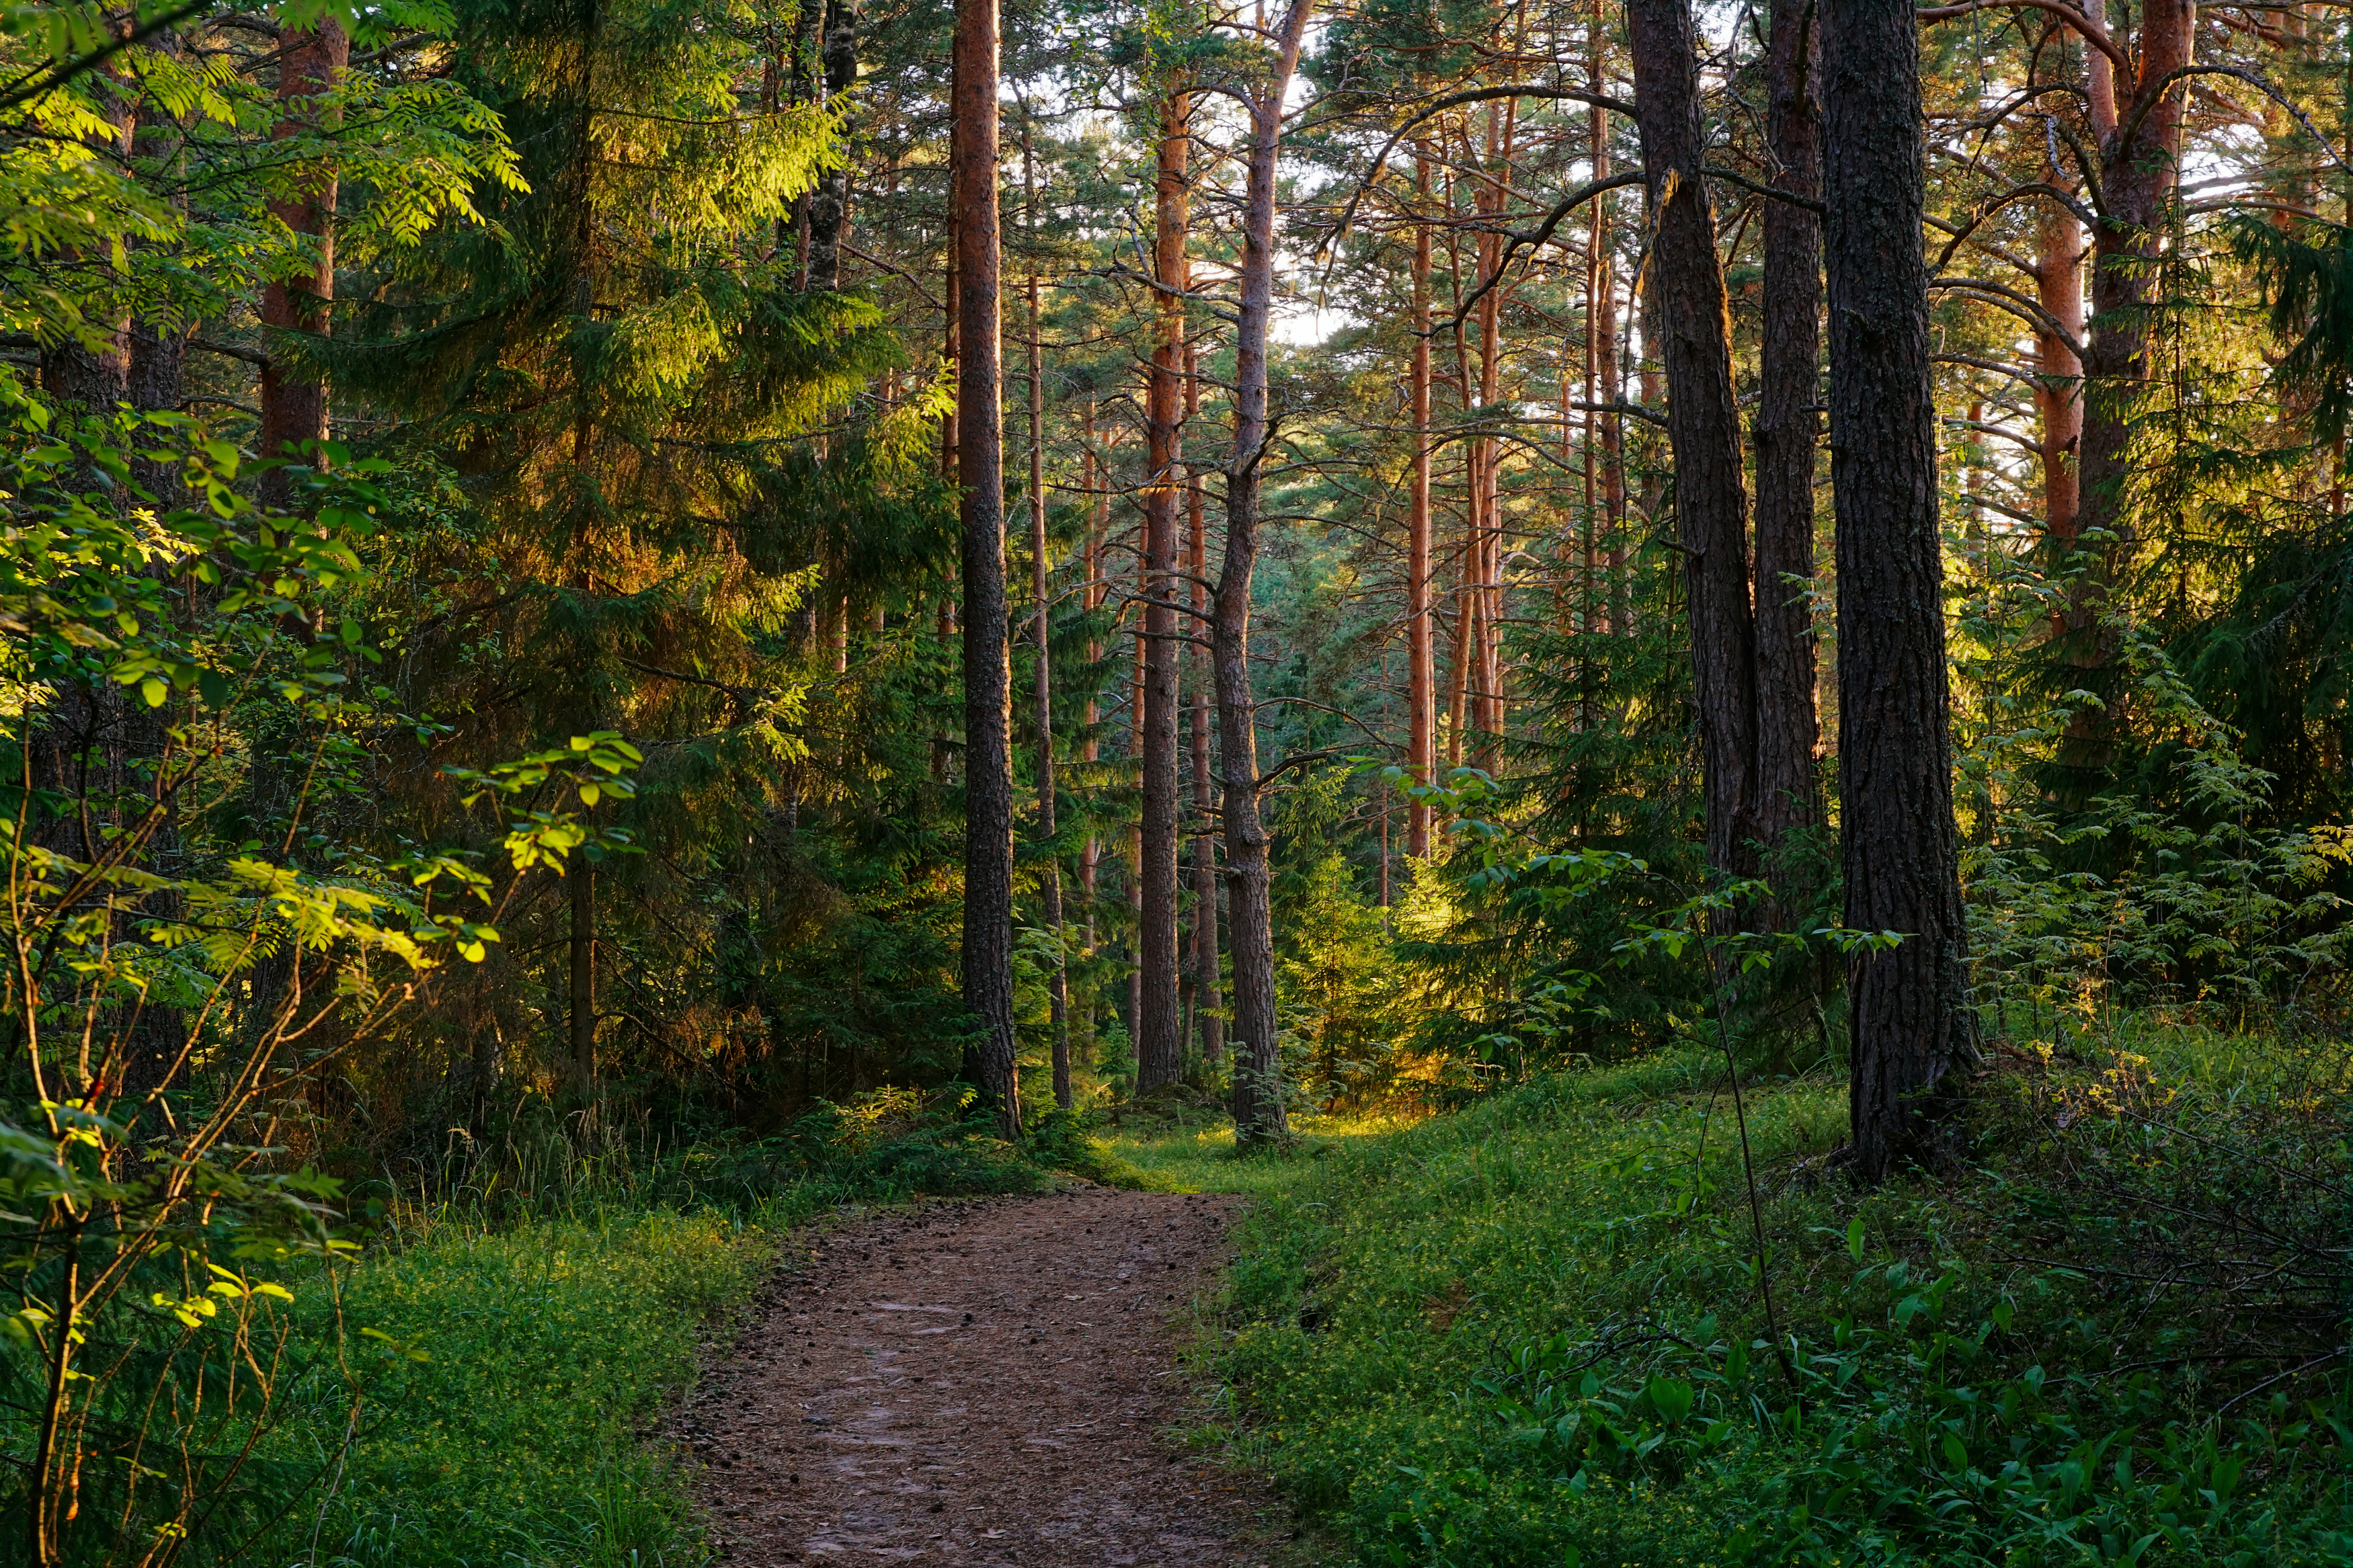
x: 1158, y: 1023
x: 1703, y: 422
x: 1788, y: 804
x: 1208, y: 981
x: 1421, y: 676
x: 1058, y: 986
x: 1258, y: 1115
x: 987, y: 674
x: 1911, y: 1021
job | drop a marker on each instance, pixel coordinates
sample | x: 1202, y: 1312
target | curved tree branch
x: 2090, y: 30
x: 1453, y: 100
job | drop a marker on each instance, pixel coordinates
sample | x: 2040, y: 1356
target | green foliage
x: 1530, y: 1332
x: 505, y: 1397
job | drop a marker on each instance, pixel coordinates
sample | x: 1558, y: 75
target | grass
x: 1531, y: 1333
x: 503, y: 1424
x: 1191, y: 1150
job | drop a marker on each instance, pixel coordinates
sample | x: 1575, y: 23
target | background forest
x: 646, y: 617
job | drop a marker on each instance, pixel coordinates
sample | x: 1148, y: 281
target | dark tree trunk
x: 1259, y: 1113
x: 988, y: 673
x: 829, y: 204
x: 294, y: 401
x: 1788, y: 801
x: 1158, y: 1046
x: 1703, y: 422
x: 1912, y: 1035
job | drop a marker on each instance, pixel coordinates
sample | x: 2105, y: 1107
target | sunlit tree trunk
x: 2059, y: 382
x: 988, y: 675
x: 1911, y: 1022
x: 2140, y: 152
x: 1058, y: 986
x: 1207, y: 979
x: 1158, y: 1023
x: 1259, y: 1114
x: 1421, y: 683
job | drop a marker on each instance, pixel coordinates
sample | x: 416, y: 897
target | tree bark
x: 2140, y: 156
x: 1259, y: 1114
x: 1058, y: 993
x: 1090, y: 748
x: 1703, y: 422
x: 1421, y: 683
x: 1601, y: 329
x: 1788, y: 799
x: 2058, y: 385
x: 987, y: 674
x: 1912, y: 1027
x: 1208, y: 981
x: 294, y: 402
x: 1157, y: 1045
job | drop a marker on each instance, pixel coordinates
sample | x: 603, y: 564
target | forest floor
x: 982, y: 1380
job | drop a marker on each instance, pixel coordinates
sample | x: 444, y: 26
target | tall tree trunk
x: 1788, y: 801
x: 1157, y: 1045
x: 1259, y: 1113
x: 829, y: 203
x: 1703, y: 422
x: 1089, y: 747
x: 1911, y: 1032
x: 1207, y: 978
x: 2058, y: 385
x: 1601, y: 331
x: 987, y: 674
x: 1502, y: 128
x: 293, y: 402
x: 2140, y: 155
x: 1421, y: 679
x: 1058, y: 993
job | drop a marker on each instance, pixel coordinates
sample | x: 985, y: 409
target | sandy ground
x: 987, y: 1381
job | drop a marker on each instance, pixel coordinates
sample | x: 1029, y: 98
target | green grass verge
x: 1188, y: 1149
x: 1531, y: 1333
x: 504, y: 1426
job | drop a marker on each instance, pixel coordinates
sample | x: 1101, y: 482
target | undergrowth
x: 1533, y: 1332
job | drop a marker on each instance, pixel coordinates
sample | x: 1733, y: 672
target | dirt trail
x: 986, y: 1382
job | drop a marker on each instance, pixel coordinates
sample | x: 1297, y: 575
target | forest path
x: 980, y: 1382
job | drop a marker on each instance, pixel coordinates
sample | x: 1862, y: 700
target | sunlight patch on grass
x: 1193, y: 1149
